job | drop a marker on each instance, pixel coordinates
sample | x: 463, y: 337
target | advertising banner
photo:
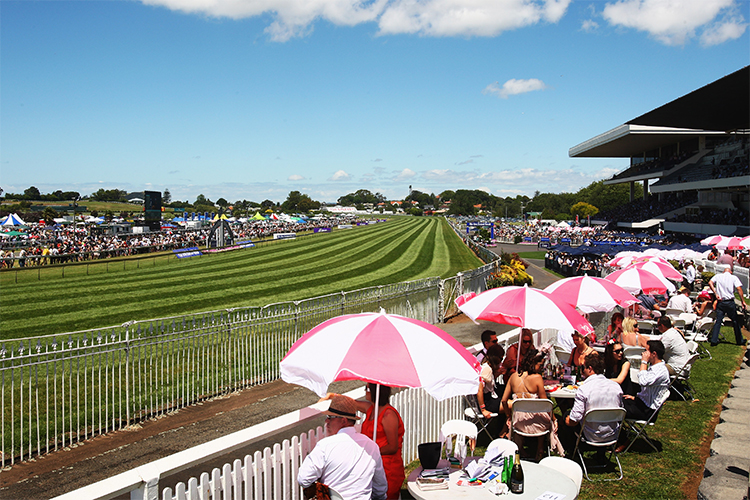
x: 322, y: 230
x: 284, y: 236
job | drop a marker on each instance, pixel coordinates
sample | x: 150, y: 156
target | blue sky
x: 251, y: 99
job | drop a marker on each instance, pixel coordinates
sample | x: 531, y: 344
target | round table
x: 538, y: 479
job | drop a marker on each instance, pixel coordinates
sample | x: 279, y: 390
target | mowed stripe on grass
x: 402, y: 249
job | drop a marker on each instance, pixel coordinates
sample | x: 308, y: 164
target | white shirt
x: 597, y: 391
x: 681, y: 302
x: 654, y: 385
x: 725, y: 283
x: 676, y: 353
x: 348, y: 462
x: 690, y: 273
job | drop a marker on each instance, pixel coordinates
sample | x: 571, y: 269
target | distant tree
x: 447, y: 195
x: 49, y: 215
x: 166, y: 197
x: 414, y: 211
x: 222, y: 203
x: 32, y: 193
x: 202, y: 200
x: 266, y: 204
x: 359, y: 197
x: 548, y: 213
x: 583, y: 209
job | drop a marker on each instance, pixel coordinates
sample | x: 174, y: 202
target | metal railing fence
x: 57, y: 390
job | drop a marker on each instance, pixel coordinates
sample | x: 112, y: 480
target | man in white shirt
x: 723, y: 286
x: 347, y: 461
x: 654, y: 380
x: 676, y: 353
x: 597, y: 391
x: 689, y: 274
x: 681, y: 301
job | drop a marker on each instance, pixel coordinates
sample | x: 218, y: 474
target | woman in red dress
x: 390, y: 435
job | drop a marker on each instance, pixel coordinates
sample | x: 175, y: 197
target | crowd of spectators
x: 727, y: 216
x: 54, y: 245
x: 653, y: 206
x: 654, y: 165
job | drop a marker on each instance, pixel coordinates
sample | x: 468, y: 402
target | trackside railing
x: 272, y: 473
x: 57, y: 390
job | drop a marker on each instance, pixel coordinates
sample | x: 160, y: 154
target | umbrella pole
x: 375, y: 423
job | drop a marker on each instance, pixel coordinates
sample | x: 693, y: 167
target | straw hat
x: 342, y: 406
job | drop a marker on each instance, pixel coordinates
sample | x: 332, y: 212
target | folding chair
x: 673, y: 312
x: 475, y: 415
x: 600, y: 416
x: 683, y: 379
x: 462, y: 430
x: 531, y: 406
x: 566, y: 466
x: 639, y: 427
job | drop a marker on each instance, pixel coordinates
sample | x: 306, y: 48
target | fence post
x: 459, y: 284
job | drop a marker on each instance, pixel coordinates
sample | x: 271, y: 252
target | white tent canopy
x: 12, y: 220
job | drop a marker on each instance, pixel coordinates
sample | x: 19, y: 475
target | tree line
x: 562, y: 206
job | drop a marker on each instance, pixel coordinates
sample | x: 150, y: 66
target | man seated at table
x: 681, y: 301
x: 649, y: 306
x: 596, y: 391
x: 489, y: 338
x: 511, y: 356
x: 676, y: 353
x: 653, y: 378
x: 347, y: 461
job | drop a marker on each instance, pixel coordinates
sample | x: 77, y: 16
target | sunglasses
x: 332, y: 417
x: 526, y: 341
x: 619, y: 351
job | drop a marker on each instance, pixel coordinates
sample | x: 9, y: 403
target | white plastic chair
x: 462, y: 430
x: 683, y: 378
x: 504, y: 446
x: 633, y: 353
x: 565, y: 466
x: 531, y: 406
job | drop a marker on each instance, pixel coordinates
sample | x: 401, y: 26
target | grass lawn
x: 683, y: 432
x: 42, y: 301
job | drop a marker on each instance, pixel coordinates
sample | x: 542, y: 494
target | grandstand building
x: 691, y: 156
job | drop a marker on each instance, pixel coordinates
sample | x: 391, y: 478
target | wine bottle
x: 516, y: 476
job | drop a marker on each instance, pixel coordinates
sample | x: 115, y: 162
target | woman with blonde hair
x: 631, y: 335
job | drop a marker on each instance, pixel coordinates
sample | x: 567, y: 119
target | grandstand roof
x: 715, y: 109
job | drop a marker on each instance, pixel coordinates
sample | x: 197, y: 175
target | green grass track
x: 42, y: 301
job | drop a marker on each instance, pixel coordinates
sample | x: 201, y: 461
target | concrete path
x: 727, y: 470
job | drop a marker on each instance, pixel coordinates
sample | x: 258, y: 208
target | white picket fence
x: 272, y: 473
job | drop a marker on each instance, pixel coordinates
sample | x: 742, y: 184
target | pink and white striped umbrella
x: 659, y: 268
x: 633, y: 280
x: 733, y: 243
x: 590, y: 294
x: 383, y: 349
x: 714, y: 240
x: 525, y: 307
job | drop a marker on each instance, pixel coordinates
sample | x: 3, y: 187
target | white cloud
x: 514, y: 87
x: 675, y: 22
x: 295, y: 177
x: 340, y: 175
x: 405, y: 174
x: 723, y: 31
x: 589, y: 25
x: 295, y: 18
